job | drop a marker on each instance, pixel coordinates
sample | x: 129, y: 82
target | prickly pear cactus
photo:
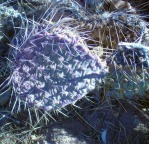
x: 129, y: 74
x: 54, y: 68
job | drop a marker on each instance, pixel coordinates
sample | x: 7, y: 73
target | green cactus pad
x: 129, y: 74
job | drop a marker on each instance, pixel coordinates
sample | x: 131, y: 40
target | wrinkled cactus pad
x: 54, y: 68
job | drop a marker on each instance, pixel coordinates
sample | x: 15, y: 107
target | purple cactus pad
x: 56, y: 69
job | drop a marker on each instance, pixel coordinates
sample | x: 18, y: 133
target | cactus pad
x: 54, y: 68
x: 129, y: 74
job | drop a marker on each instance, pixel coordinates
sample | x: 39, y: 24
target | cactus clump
x: 54, y: 68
